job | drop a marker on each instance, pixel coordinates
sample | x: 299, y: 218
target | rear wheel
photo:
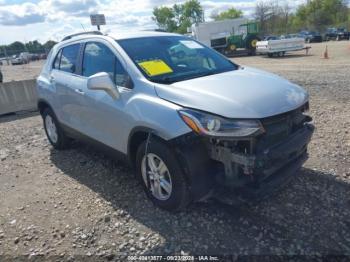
x: 161, y: 176
x: 53, y: 131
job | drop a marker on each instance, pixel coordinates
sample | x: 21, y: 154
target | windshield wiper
x: 163, y: 80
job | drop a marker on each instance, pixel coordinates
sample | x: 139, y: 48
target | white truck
x: 276, y: 46
x: 209, y: 33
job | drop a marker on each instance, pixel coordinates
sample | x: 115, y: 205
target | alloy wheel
x: 156, y: 176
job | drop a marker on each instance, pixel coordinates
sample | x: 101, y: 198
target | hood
x: 243, y: 93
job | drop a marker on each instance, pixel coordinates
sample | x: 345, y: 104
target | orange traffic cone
x: 325, y: 54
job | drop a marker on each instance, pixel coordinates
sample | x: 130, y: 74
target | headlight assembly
x: 211, y: 125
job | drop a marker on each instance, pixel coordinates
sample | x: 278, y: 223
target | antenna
x: 83, y: 27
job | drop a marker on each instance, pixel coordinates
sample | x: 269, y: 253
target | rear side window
x: 69, y: 57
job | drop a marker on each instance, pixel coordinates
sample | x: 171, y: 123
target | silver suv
x: 190, y: 121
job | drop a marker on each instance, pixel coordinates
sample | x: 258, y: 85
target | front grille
x: 278, y: 128
x: 218, y: 42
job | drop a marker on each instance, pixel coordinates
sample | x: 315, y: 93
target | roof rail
x: 82, y: 33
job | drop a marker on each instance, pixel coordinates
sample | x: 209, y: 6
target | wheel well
x: 135, y: 141
x: 42, y: 105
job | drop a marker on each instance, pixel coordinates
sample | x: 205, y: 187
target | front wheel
x: 161, y: 176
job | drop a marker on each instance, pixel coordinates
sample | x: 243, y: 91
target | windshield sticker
x: 155, y: 67
x: 191, y: 44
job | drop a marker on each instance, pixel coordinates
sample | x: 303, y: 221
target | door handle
x: 79, y: 91
x: 52, y: 79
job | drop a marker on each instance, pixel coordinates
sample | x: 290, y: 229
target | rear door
x: 65, y: 76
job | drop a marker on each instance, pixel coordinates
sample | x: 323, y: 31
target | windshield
x: 169, y: 59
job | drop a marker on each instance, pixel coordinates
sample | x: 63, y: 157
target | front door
x: 104, y: 117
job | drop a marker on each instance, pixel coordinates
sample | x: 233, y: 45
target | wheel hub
x: 51, y: 129
x: 156, y: 176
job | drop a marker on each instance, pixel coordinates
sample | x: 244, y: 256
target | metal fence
x: 18, y: 96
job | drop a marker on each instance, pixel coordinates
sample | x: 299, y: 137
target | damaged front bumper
x: 262, y: 167
x: 256, y: 165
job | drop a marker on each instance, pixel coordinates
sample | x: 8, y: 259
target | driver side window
x: 99, y: 58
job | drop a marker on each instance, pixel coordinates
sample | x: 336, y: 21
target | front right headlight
x: 212, y: 125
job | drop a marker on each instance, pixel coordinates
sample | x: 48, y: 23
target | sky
x: 27, y: 20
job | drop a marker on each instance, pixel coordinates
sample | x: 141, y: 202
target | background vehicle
x: 271, y: 37
x: 22, y: 58
x: 34, y: 57
x: 25, y: 56
x: 186, y: 118
x: 311, y: 37
x: 235, y: 36
x: 43, y: 56
x: 4, y: 60
x: 289, y: 36
x: 17, y: 60
x: 337, y: 34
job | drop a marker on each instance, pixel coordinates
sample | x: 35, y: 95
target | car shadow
x: 306, y: 217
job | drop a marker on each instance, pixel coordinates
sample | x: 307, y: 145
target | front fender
x: 158, y: 115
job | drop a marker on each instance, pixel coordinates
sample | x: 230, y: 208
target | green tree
x: 48, y: 45
x: 193, y: 11
x: 34, y: 47
x: 276, y: 18
x: 319, y: 14
x: 15, y: 48
x: 179, y: 17
x: 231, y: 13
x: 164, y: 17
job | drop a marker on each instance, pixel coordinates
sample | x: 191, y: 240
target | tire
x: 58, y: 140
x: 270, y: 55
x: 178, y: 197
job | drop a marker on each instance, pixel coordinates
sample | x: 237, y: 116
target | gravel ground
x: 78, y: 202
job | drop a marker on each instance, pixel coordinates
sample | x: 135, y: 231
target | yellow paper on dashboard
x: 155, y: 67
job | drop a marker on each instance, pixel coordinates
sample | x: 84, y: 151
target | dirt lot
x: 78, y: 202
x: 21, y: 72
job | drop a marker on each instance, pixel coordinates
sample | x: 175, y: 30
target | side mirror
x: 102, y: 81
